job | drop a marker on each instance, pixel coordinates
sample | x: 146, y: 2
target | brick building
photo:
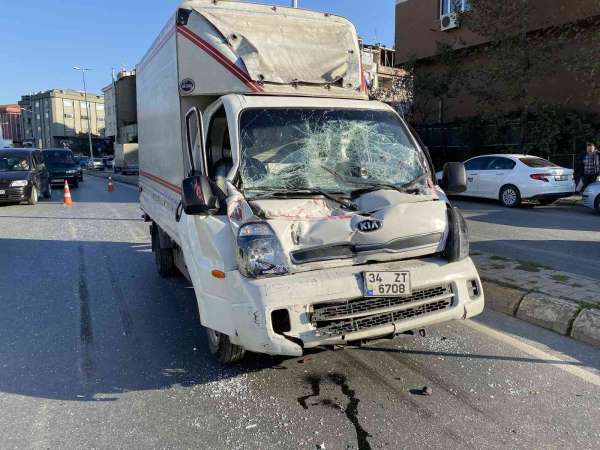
x: 422, y: 25
x: 10, y: 124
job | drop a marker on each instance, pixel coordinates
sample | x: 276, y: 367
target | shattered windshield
x: 332, y: 150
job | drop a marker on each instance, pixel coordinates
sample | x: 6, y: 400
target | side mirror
x: 454, y: 180
x: 198, y: 196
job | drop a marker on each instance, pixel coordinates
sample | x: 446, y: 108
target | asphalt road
x: 560, y: 237
x: 97, y: 351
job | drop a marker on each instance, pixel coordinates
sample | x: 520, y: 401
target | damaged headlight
x: 259, y: 251
x: 457, y: 245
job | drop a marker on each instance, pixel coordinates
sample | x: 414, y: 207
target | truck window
x: 218, y: 147
x: 335, y: 150
x: 193, y: 137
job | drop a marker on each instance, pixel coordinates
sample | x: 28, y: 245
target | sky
x: 43, y: 39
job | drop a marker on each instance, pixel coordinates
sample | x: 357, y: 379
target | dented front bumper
x: 327, y: 307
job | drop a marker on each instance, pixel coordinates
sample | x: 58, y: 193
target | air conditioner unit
x: 449, y: 21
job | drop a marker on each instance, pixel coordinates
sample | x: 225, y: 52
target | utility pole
x: 87, y: 107
x: 294, y: 3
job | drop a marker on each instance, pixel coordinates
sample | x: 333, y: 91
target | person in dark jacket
x: 587, y: 166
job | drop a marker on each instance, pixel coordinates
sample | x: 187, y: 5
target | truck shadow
x: 89, y: 321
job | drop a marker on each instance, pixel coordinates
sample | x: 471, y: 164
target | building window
x: 100, y: 119
x: 46, y: 115
x: 99, y: 107
x: 454, y: 6
x: 37, y: 104
x: 68, y: 116
x: 83, y: 106
x: 38, y: 116
x: 67, y: 103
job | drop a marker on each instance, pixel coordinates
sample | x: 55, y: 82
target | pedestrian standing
x: 587, y: 166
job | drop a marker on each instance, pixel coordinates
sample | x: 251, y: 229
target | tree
x: 520, y: 52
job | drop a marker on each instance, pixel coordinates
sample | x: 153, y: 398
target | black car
x: 62, y: 166
x: 23, y: 176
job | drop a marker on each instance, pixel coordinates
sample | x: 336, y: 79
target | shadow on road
x: 89, y: 321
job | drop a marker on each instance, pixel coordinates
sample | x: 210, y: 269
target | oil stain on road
x: 351, y: 409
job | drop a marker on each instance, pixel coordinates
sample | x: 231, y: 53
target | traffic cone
x: 67, y: 200
x: 110, y: 185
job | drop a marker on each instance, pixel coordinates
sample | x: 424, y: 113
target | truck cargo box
x: 225, y: 47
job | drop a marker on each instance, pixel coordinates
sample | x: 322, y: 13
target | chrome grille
x: 334, y: 319
x: 362, y: 306
x: 364, y: 323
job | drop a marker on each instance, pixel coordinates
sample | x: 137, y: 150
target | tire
x: 510, y: 197
x: 597, y: 204
x: 75, y: 184
x: 48, y: 193
x: 222, y: 349
x: 33, y: 196
x: 163, y: 257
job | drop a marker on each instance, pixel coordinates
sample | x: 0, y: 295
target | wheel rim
x: 213, y: 337
x: 509, y: 196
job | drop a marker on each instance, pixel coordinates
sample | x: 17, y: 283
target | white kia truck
x: 303, y: 214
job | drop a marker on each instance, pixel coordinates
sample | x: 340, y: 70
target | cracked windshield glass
x: 332, y: 150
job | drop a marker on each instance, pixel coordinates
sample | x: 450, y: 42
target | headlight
x: 259, y: 251
x: 71, y: 172
x: 19, y: 183
x: 457, y: 245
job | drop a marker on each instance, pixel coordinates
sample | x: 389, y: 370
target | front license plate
x: 387, y: 284
x: 58, y: 180
x: 2, y: 192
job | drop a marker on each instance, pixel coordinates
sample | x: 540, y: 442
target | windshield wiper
x: 303, y: 193
x: 375, y: 186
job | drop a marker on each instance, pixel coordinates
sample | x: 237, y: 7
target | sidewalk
x: 563, y: 302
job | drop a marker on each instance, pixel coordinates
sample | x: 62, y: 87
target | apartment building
x: 10, y: 124
x: 120, y: 103
x: 60, y: 117
x: 381, y: 73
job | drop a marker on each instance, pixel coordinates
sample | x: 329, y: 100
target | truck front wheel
x: 222, y: 349
x: 163, y: 257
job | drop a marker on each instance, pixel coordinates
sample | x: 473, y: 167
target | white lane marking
x: 579, y: 372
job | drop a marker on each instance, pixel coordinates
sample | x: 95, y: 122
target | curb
x: 566, y: 317
x: 132, y: 181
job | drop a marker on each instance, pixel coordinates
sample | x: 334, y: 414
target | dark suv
x: 62, y: 166
x: 23, y: 176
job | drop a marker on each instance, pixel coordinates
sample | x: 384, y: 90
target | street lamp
x: 87, y: 107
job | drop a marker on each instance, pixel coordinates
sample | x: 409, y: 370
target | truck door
x: 206, y: 241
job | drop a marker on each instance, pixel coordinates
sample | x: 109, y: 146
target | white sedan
x: 591, y: 196
x: 513, y: 178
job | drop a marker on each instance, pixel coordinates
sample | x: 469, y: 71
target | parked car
x: 84, y: 161
x: 514, y: 178
x: 96, y: 164
x: 591, y: 196
x: 22, y: 176
x: 108, y: 162
x: 62, y: 166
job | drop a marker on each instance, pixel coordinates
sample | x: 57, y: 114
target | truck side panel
x: 160, y: 135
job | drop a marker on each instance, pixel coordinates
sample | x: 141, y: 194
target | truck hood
x: 317, y: 232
